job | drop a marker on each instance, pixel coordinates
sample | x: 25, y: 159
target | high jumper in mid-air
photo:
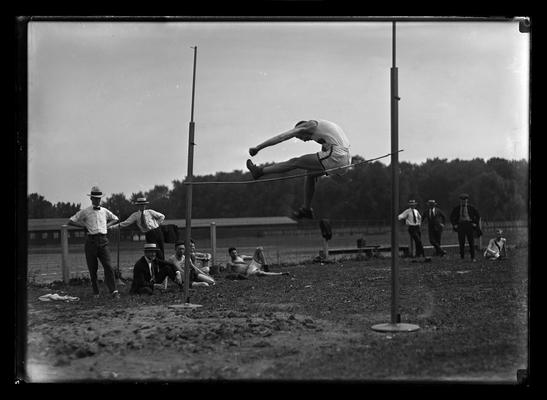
x: 334, y: 154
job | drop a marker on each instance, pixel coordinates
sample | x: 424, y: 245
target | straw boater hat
x: 140, y: 200
x: 151, y: 247
x: 432, y: 202
x: 96, y: 192
x: 412, y: 202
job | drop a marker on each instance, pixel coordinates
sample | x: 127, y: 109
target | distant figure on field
x: 149, y: 270
x: 435, y: 224
x: 413, y: 220
x: 496, y: 249
x: 250, y: 266
x: 148, y: 222
x: 96, y: 220
x: 334, y: 153
x: 465, y: 220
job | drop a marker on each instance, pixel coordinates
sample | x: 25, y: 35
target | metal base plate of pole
x: 398, y: 327
x: 186, y: 306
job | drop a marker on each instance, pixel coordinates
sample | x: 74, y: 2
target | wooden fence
x: 294, y: 245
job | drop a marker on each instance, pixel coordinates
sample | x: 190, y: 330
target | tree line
x: 499, y: 188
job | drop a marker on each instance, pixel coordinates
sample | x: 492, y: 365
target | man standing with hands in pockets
x: 465, y: 220
x: 96, y: 220
x: 413, y: 220
x: 435, y: 224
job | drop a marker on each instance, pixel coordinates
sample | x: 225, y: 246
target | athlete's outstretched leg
x: 309, y: 162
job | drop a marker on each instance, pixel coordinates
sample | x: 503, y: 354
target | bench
x: 367, y: 250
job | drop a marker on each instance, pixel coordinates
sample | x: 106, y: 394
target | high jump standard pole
x: 189, y: 176
x: 395, y: 325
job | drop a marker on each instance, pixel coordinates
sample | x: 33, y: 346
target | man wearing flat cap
x: 413, y: 220
x: 465, y: 220
x: 96, y: 220
x: 148, y: 221
x: 435, y: 224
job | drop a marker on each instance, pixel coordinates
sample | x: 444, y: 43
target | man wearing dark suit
x: 149, y: 269
x: 465, y: 220
x: 435, y: 224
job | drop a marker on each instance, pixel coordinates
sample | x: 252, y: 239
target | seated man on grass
x: 198, y: 277
x: 150, y: 270
x: 204, y: 258
x: 241, y: 266
x: 496, y: 247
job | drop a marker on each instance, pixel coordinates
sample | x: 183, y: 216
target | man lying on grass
x: 241, y: 266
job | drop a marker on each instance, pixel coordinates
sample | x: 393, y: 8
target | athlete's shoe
x: 303, y: 213
x: 256, y: 171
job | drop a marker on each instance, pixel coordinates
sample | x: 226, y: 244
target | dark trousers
x: 435, y: 240
x: 164, y: 271
x: 465, y: 230
x: 156, y: 236
x: 144, y: 290
x: 96, y: 248
x: 416, y: 236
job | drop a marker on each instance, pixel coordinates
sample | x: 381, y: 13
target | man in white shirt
x: 413, y: 220
x: 334, y: 153
x: 496, y: 247
x: 96, y: 220
x: 148, y: 221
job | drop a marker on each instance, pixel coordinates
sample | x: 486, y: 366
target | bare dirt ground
x: 312, y: 325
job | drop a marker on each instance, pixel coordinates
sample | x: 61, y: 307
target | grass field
x: 312, y: 325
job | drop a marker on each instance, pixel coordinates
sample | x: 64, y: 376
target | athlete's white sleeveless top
x: 330, y: 133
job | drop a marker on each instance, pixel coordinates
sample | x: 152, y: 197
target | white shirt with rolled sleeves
x: 94, y: 220
x: 409, y: 219
x: 153, y: 220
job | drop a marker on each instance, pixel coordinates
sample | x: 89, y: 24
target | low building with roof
x: 48, y: 230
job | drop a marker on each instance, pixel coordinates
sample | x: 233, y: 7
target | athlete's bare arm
x: 300, y: 132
